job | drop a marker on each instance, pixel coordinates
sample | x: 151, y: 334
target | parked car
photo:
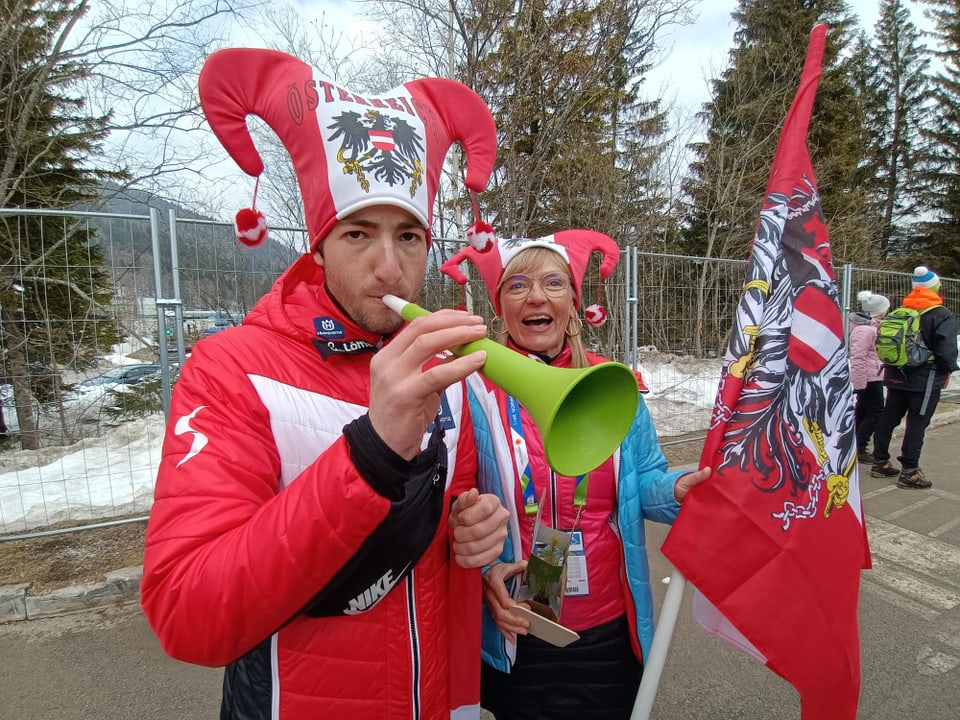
x: 118, y: 395
x: 127, y: 375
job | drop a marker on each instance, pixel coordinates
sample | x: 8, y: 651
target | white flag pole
x: 653, y: 667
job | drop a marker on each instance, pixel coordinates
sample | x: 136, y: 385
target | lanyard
x: 527, y: 486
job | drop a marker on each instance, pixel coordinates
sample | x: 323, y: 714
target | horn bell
x: 583, y: 414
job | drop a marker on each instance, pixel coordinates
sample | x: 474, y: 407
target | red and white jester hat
x: 349, y: 150
x: 574, y: 246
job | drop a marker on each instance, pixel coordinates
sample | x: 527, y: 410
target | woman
x: 866, y: 370
x: 534, y: 286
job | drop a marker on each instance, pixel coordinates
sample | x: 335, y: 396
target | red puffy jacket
x: 263, y: 530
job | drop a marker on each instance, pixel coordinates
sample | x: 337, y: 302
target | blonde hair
x: 534, y: 259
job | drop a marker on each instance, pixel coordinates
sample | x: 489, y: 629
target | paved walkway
x: 17, y: 603
x: 107, y: 663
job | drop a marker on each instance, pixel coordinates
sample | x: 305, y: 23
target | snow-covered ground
x: 113, y: 475
x: 97, y: 477
x: 101, y: 477
x: 682, y: 392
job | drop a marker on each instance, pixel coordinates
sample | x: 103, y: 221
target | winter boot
x: 913, y: 480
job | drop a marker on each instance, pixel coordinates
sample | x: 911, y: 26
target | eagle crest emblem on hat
x: 388, y: 148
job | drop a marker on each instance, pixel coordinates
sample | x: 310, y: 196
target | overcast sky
x: 694, y: 53
x: 698, y: 52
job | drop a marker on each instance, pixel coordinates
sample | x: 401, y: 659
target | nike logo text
x: 373, y: 594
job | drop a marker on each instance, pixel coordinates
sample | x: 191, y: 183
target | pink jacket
x: 865, y: 366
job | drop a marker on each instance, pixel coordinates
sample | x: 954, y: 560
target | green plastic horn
x: 583, y: 414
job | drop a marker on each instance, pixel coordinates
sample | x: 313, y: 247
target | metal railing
x: 165, y: 282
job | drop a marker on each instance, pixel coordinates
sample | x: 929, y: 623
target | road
x: 104, y: 664
x: 909, y: 614
x: 107, y: 664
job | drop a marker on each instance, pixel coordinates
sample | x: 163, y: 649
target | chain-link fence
x: 98, y: 311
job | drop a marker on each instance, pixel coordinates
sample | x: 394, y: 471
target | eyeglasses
x: 517, y: 287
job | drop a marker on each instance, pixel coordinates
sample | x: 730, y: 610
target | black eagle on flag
x: 375, y: 143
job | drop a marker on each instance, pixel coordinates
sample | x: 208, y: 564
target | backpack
x: 899, y: 342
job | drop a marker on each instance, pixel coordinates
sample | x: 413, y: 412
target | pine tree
x: 749, y: 102
x: 53, y: 286
x: 576, y: 140
x: 937, y: 241
x: 578, y: 147
x: 894, y: 87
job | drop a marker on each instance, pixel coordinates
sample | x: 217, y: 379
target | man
x: 915, y: 391
x: 316, y: 527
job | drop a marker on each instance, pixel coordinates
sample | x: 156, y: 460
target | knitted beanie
x: 872, y: 304
x: 925, y: 278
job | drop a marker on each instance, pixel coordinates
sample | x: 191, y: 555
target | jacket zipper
x: 415, y: 709
x: 553, y: 499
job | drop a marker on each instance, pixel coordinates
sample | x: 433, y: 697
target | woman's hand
x: 499, y: 601
x: 689, y: 480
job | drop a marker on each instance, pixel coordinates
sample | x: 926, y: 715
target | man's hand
x: 685, y: 482
x: 479, y: 525
x: 497, y: 598
x: 404, y: 398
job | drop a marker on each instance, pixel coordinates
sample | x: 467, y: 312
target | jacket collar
x: 300, y: 305
x: 922, y: 298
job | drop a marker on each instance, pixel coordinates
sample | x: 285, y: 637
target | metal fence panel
x: 175, y: 281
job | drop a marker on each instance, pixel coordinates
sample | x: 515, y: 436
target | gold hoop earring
x: 497, y: 325
x: 575, y: 322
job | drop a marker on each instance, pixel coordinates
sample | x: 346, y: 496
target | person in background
x: 316, y: 526
x: 915, y: 391
x: 866, y: 370
x: 534, y: 286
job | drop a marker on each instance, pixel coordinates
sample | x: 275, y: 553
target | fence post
x: 175, y: 275
x: 630, y: 308
x: 161, y: 305
x: 845, y: 285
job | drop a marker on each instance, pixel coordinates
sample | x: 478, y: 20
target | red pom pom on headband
x: 350, y: 151
x: 595, y: 315
x: 481, y: 236
x: 251, y: 227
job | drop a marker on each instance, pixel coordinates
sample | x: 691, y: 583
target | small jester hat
x: 350, y: 151
x: 574, y: 246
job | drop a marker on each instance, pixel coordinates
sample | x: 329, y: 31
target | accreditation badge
x: 577, y: 583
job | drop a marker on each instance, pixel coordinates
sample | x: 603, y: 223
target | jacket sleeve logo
x: 199, y: 439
